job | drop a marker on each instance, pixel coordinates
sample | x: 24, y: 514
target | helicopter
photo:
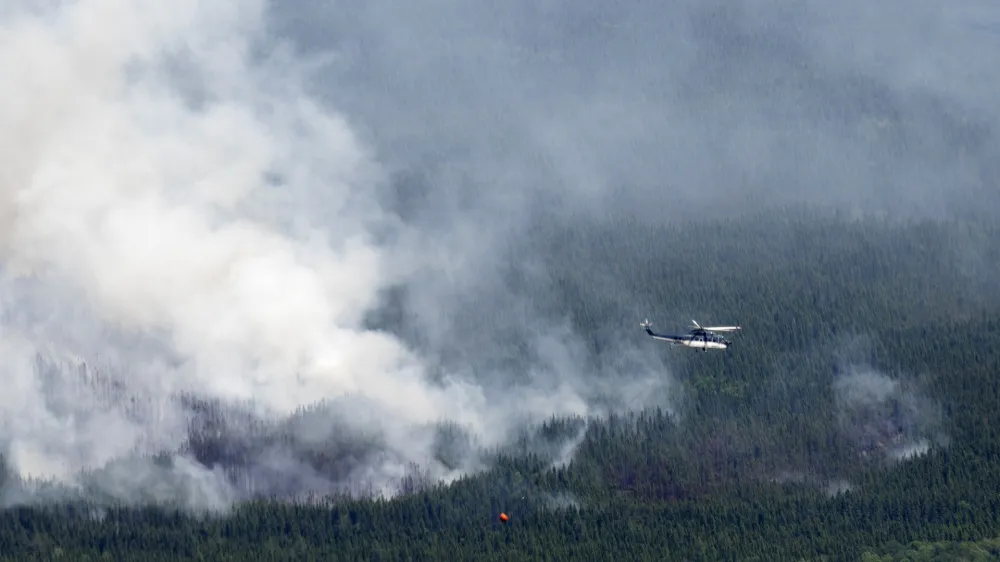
x: 699, y: 337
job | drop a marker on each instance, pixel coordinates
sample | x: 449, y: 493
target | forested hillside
x: 855, y: 418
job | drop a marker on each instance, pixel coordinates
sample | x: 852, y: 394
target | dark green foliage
x: 862, y: 338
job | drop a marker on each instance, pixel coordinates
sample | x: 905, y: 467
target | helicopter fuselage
x: 697, y: 338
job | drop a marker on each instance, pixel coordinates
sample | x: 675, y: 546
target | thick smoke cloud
x: 215, y: 216
x: 191, y: 245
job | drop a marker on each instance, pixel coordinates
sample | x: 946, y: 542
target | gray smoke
x: 493, y: 114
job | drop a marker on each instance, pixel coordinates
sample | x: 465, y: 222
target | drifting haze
x: 502, y: 122
x: 193, y: 209
x: 643, y: 108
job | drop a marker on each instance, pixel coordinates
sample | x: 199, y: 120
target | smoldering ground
x: 199, y: 210
x: 886, y: 417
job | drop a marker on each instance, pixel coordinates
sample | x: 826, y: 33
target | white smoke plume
x: 179, y: 218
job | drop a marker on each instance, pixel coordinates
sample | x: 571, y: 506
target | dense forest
x: 855, y: 418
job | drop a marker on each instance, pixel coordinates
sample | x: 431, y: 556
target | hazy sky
x: 489, y: 105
